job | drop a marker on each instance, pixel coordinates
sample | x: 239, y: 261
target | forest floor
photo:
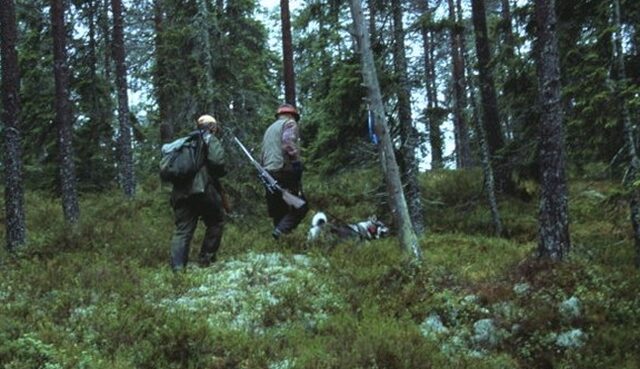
x: 101, y: 294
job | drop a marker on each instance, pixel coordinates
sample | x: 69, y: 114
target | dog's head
x: 318, y: 219
x: 375, y: 228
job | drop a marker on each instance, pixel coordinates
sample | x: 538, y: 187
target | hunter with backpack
x: 194, y: 164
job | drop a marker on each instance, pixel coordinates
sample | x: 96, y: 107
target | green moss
x: 474, y: 259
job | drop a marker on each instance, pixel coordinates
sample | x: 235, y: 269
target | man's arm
x: 291, y: 140
x: 215, y: 157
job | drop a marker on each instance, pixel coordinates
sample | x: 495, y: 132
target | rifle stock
x: 270, y: 183
x: 292, y: 199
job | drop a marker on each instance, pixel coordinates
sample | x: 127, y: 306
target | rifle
x: 226, y: 204
x: 269, y: 182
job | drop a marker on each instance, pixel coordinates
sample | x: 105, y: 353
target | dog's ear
x: 373, y: 218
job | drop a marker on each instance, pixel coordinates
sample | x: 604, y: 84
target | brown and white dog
x: 369, y: 229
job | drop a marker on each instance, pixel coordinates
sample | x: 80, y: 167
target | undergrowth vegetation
x: 101, y: 294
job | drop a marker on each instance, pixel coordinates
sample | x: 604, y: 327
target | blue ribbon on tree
x: 372, y: 127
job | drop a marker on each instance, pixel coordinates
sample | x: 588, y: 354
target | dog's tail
x: 318, y: 219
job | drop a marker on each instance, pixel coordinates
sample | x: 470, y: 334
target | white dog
x: 369, y: 229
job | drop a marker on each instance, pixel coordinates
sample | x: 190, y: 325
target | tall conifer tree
x: 125, y: 157
x: 287, y: 54
x: 490, y: 115
x: 13, y: 189
x: 68, y: 186
x: 409, y: 134
x: 461, y: 131
x: 554, y: 242
x: 433, y: 113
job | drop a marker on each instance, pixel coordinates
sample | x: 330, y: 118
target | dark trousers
x: 285, y: 217
x: 187, y: 212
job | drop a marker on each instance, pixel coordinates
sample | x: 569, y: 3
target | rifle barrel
x: 270, y: 183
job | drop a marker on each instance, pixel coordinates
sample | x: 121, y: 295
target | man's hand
x: 216, y: 129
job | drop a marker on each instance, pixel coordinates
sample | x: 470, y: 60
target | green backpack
x: 182, y: 159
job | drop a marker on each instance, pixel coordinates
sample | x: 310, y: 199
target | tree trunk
x: 467, y: 70
x: 68, y: 185
x: 485, y: 157
x: 432, y: 112
x: 105, y: 27
x: 14, y: 188
x: 162, y: 98
x: 397, y: 200
x: 631, y: 143
x: 206, y: 58
x: 507, y: 30
x: 408, y: 133
x: 463, y: 147
x: 287, y: 54
x: 127, y: 180
x: 93, y: 60
x: 374, y: 38
x: 487, y: 171
x: 491, y: 119
x: 507, y: 63
x: 554, y: 240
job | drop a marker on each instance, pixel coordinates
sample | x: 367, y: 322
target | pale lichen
x: 256, y: 291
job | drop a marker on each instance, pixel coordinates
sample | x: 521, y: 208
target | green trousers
x: 187, y: 212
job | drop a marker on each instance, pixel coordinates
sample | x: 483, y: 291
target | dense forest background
x: 513, y: 125
x: 183, y: 59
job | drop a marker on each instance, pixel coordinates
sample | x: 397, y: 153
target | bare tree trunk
x: 466, y: 67
x: 162, y: 98
x: 13, y: 181
x: 397, y: 200
x: 491, y: 117
x: 287, y: 54
x: 127, y: 180
x: 634, y: 161
x: 485, y: 157
x: 463, y: 147
x: 408, y: 133
x: 433, y: 116
x: 554, y: 240
x: 206, y: 82
x: 508, y: 46
x: 99, y: 110
x: 70, y: 206
x: 105, y: 26
x: 487, y: 171
x: 93, y: 59
x: 373, y: 30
